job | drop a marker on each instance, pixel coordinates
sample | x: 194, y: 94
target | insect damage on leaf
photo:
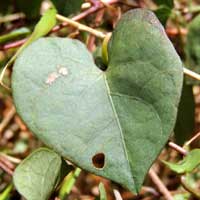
x: 98, y: 160
x: 61, y: 71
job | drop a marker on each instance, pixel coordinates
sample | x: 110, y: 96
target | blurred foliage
x: 186, y: 115
x: 68, y: 7
x: 192, y: 47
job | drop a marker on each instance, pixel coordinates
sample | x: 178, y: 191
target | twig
x: 151, y: 190
x: 117, y: 195
x: 11, y: 158
x: 191, y: 73
x: 192, y: 139
x: 11, y: 45
x: 159, y: 184
x: 7, y: 119
x: 12, y: 17
x: 7, y: 162
x: 97, y: 5
x: 6, y: 169
x: 177, y: 148
x: 81, y: 27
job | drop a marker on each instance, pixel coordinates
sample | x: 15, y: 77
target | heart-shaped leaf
x: 112, y: 123
x: 37, y: 175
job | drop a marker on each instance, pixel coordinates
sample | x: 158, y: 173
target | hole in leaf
x: 98, y: 160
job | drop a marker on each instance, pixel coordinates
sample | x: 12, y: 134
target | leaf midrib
x: 118, y: 123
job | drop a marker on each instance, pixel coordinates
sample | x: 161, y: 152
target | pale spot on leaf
x: 63, y: 71
x: 52, y: 77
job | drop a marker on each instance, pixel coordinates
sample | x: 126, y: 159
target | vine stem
x: 191, y: 73
x: 177, y: 148
x: 96, y: 6
x: 159, y: 184
x: 192, y: 139
x: 81, y: 27
x: 4, y: 167
x: 7, y: 119
x: 12, y: 17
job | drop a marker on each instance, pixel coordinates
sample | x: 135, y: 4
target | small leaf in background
x: 35, y: 178
x: 163, y: 12
x: 68, y: 183
x: 6, y: 193
x: 30, y: 8
x: 184, y: 196
x: 168, y: 3
x: 192, y: 48
x: 64, y: 171
x: 68, y: 7
x: 16, y: 34
x: 5, y: 6
x: 102, y: 192
x: 188, y: 164
x: 186, y: 116
x: 46, y: 23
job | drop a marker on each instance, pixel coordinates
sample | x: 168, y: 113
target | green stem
x: 68, y: 183
x: 5, y: 194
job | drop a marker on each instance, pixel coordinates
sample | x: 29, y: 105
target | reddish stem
x: 11, y: 45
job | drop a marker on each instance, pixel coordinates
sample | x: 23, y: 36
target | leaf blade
x: 36, y: 176
x: 188, y: 164
x: 108, y: 141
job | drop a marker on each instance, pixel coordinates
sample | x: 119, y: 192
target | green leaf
x: 64, y: 171
x: 102, y: 192
x: 5, y: 195
x: 35, y: 178
x: 45, y: 24
x: 186, y: 116
x: 163, y: 12
x: 168, y: 3
x: 192, y: 48
x: 188, y: 164
x: 30, y: 8
x: 68, y: 183
x: 18, y: 33
x: 68, y: 7
x: 112, y: 123
x: 184, y: 196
